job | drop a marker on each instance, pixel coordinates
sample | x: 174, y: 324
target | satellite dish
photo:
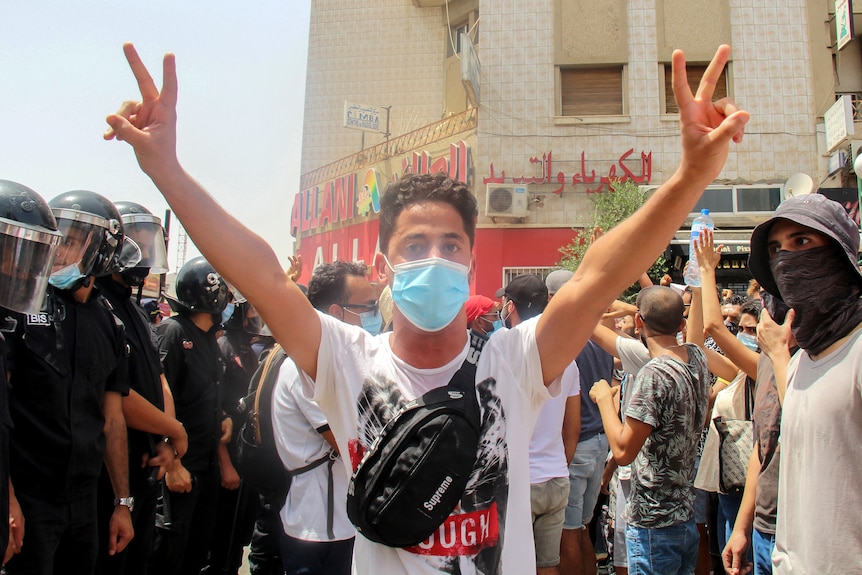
x: 798, y: 185
x: 857, y: 165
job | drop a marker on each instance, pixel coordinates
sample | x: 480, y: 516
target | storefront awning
x: 734, y: 241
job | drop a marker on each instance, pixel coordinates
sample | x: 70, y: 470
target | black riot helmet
x: 28, y: 241
x: 200, y: 288
x: 93, y: 233
x: 146, y: 230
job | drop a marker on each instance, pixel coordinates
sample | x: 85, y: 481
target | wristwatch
x: 125, y: 502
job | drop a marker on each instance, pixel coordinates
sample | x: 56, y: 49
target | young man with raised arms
x: 427, y: 226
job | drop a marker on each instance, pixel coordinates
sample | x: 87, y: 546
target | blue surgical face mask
x: 372, y: 321
x: 430, y: 292
x: 67, y: 278
x: 749, y: 341
x: 498, y: 324
x: 227, y: 312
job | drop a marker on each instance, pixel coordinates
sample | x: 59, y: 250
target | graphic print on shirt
x: 470, y: 540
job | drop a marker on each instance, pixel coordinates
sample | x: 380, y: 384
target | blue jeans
x: 762, y: 544
x: 662, y: 551
x: 728, y: 507
x: 585, y: 480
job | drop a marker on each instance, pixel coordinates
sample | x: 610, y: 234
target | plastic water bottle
x: 701, y: 222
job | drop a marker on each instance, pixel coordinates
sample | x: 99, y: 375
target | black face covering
x: 134, y: 277
x: 822, y: 290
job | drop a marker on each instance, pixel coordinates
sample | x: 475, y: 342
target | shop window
x: 695, y: 73
x: 591, y: 91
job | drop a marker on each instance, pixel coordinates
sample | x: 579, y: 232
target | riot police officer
x: 68, y: 370
x: 153, y: 434
x: 28, y: 241
x: 193, y: 367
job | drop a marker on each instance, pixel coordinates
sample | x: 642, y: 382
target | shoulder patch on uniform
x: 187, y: 344
x: 38, y: 319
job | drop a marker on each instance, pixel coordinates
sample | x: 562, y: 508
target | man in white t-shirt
x: 426, y: 236
x: 318, y: 537
x: 555, y: 437
x: 806, y: 254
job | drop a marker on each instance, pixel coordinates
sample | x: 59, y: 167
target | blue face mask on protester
x: 430, y: 292
x: 227, y: 312
x: 749, y: 341
x: 66, y: 278
x: 372, y: 321
x: 498, y: 324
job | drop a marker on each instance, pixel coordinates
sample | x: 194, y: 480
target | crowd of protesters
x: 639, y: 437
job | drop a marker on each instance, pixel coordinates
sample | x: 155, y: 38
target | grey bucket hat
x: 814, y: 211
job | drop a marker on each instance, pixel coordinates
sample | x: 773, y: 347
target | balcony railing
x: 856, y: 98
x: 397, y: 146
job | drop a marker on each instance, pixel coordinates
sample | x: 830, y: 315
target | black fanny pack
x: 415, y: 472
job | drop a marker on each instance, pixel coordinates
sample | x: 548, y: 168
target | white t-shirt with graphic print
x: 361, y: 384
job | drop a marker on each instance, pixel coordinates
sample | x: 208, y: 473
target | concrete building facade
x: 571, y: 94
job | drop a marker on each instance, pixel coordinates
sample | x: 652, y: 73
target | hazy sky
x: 241, y: 69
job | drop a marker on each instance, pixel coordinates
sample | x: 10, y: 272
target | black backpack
x: 257, y: 459
x: 415, y: 472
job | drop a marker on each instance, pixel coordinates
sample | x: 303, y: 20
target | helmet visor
x: 80, y: 245
x: 148, y: 233
x: 26, y: 257
x: 129, y: 255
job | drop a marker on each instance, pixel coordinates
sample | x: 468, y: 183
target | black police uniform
x: 5, y: 427
x: 145, y: 378
x: 237, y: 508
x: 62, y: 363
x: 193, y: 367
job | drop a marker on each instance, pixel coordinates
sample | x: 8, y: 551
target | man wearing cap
x: 154, y: 313
x: 483, y: 314
x: 806, y: 255
x: 588, y: 462
x: 555, y: 436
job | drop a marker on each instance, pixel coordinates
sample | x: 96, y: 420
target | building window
x: 454, y: 45
x: 739, y: 200
x: 591, y: 91
x: 856, y: 98
x: 757, y: 199
x: 510, y: 273
x: 695, y: 73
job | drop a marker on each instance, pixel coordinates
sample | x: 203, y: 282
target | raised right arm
x: 239, y: 254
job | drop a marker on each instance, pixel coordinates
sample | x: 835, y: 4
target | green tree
x: 609, y: 209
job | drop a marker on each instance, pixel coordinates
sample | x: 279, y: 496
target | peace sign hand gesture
x: 149, y: 125
x: 707, y: 127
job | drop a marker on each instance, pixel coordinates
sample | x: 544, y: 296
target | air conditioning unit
x: 506, y: 200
